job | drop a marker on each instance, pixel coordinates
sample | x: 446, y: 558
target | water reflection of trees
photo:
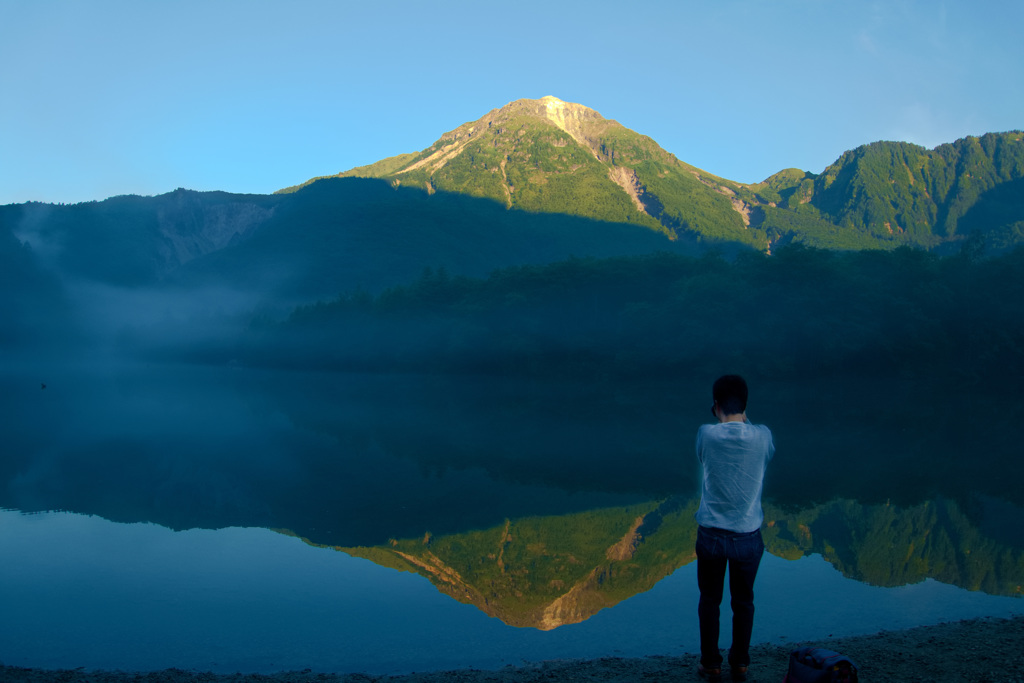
x: 368, y: 457
x: 889, y: 545
x: 888, y: 369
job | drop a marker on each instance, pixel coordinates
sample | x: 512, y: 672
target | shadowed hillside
x: 328, y: 238
x: 336, y: 235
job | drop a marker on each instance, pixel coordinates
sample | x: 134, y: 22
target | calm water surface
x: 232, y: 520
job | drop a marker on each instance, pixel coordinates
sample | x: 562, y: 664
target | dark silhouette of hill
x: 32, y: 302
x: 338, y: 235
x: 334, y: 236
x: 130, y: 241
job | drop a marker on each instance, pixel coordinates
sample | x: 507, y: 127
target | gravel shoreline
x: 974, y: 651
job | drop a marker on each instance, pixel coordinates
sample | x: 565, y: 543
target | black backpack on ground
x: 818, y: 665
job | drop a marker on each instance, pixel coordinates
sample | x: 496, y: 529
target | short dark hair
x: 730, y: 393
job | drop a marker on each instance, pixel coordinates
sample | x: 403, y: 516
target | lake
x: 230, y: 519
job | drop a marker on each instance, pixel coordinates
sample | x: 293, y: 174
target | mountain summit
x: 557, y: 157
x: 581, y: 123
x: 552, y: 156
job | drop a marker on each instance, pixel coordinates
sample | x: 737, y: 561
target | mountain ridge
x: 553, y: 156
x: 549, y: 155
x: 582, y: 186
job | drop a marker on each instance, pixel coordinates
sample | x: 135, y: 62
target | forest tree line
x: 802, y: 311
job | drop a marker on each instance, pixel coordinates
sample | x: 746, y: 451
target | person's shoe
x: 712, y: 675
x: 738, y: 673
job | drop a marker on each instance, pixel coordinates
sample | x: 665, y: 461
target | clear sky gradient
x: 107, y: 97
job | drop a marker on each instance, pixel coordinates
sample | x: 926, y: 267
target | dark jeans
x: 717, y: 549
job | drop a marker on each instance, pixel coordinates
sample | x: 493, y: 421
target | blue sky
x: 105, y: 98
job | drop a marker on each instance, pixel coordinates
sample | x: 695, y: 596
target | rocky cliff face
x: 579, y: 122
x: 190, y: 227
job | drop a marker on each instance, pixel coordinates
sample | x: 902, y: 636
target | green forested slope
x: 908, y: 194
x: 814, y: 311
x: 552, y: 156
x: 557, y: 157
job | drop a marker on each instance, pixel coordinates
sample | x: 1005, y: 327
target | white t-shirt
x: 734, y: 456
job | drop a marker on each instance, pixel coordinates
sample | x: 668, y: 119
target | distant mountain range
x: 534, y: 182
x: 552, y: 156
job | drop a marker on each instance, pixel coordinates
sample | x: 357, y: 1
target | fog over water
x: 349, y: 459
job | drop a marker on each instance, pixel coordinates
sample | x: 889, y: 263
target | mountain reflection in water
x: 539, y: 502
x: 545, y: 572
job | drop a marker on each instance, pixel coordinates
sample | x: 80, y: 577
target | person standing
x: 734, y: 455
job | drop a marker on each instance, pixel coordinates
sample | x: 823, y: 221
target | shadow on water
x: 340, y: 459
